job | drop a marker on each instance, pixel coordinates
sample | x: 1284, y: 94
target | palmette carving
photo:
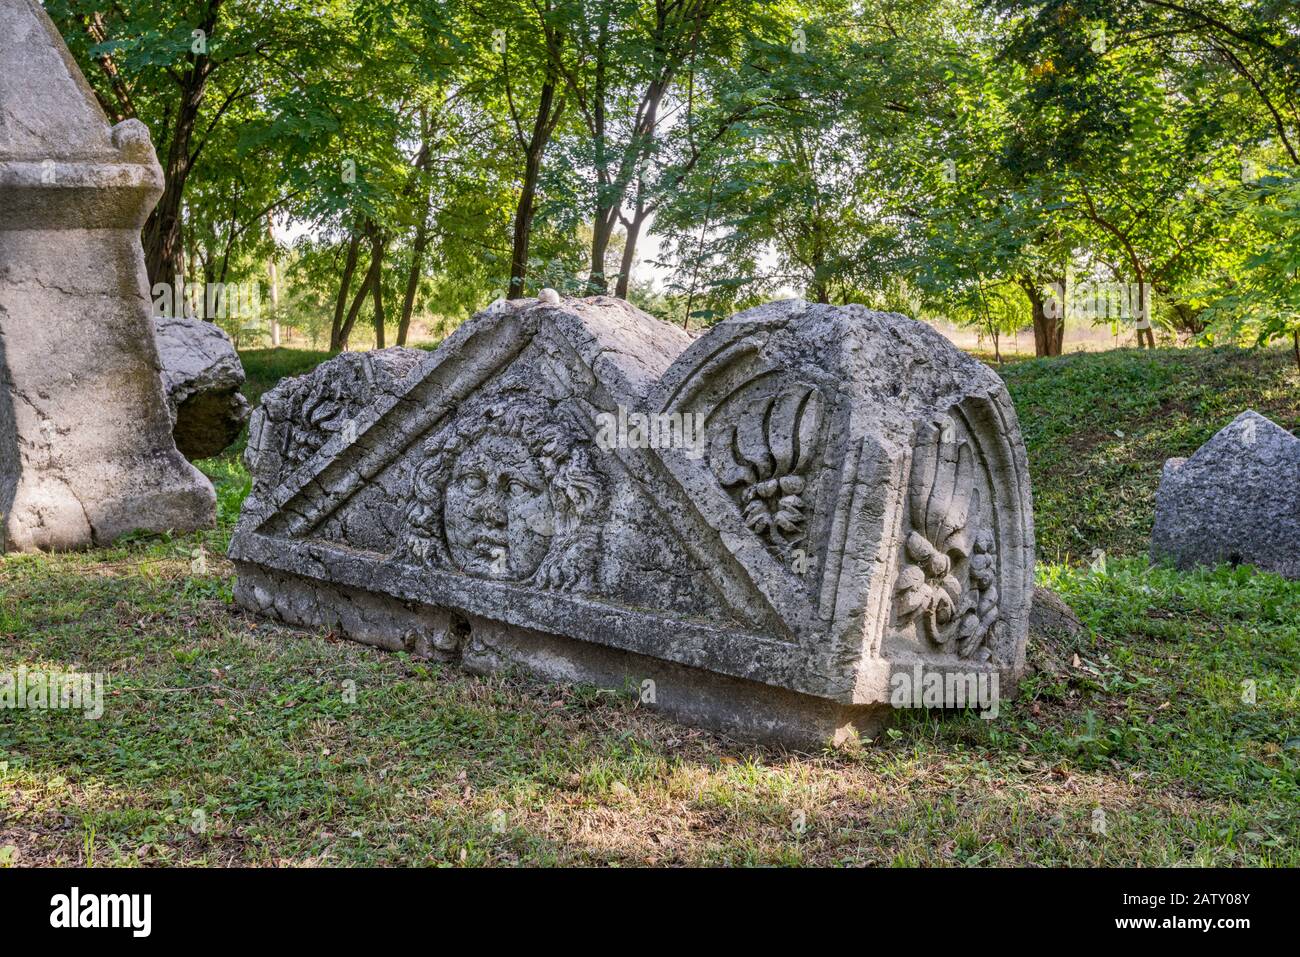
x: 764, y: 457
x: 950, y: 583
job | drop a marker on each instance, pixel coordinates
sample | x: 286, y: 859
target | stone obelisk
x: 86, y: 450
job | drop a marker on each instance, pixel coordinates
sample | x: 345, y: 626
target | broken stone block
x: 201, y: 375
x: 86, y: 450
x: 765, y: 530
x: 1236, y: 500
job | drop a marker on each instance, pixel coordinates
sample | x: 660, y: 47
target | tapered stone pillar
x: 86, y: 450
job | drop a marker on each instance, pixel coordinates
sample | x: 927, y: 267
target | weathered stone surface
x: 201, y: 375
x: 1236, y: 500
x: 817, y: 499
x: 1055, y: 634
x: 86, y: 451
x: 1050, y: 615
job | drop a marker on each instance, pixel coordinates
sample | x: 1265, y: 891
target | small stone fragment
x: 201, y: 375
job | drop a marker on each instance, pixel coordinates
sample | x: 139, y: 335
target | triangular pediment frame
x: 781, y: 631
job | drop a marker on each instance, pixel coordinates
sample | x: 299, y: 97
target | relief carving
x: 950, y: 583
x: 508, y: 496
x: 300, y: 415
x: 479, y: 485
x: 763, y: 458
x: 316, y: 412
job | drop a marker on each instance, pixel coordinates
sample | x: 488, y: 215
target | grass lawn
x: 228, y: 740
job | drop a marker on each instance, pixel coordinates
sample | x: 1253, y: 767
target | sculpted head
x: 497, y: 509
x: 507, y: 495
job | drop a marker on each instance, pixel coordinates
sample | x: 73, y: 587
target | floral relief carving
x: 949, y: 584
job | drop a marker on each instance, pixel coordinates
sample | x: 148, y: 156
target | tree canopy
x: 390, y: 162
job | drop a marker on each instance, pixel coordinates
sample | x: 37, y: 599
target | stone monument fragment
x: 1236, y: 500
x: 201, y: 375
x: 757, y: 531
x: 86, y: 451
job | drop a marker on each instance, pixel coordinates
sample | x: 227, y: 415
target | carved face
x: 498, y: 513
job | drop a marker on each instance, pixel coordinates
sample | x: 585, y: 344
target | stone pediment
x: 804, y: 497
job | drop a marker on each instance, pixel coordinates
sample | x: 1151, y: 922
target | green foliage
x: 1262, y: 303
x: 947, y: 157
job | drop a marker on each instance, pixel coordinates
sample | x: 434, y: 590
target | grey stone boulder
x: 202, y: 376
x: 767, y: 530
x: 86, y: 449
x: 1235, y: 500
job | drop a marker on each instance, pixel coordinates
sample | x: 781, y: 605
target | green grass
x: 229, y: 740
x: 1099, y: 426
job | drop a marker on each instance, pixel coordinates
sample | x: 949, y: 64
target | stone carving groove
x: 762, y: 457
x: 769, y: 587
x: 950, y: 585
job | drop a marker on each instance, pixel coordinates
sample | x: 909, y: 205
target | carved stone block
x: 86, y: 449
x: 757, y: 529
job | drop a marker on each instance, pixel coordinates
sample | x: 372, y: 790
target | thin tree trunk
x: 413, y: 279
x: 337, y: 339
x: 355, y: 309
x: 601, y: 231
x: 629, y: 248
x: 1144, y: 304
x: 421, y: 230
x: 377, y: 285
x: 163, y: 237
x: 548, y: 114
x: 274, y: 276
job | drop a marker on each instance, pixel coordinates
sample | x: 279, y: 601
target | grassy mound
x: 1099, y: 425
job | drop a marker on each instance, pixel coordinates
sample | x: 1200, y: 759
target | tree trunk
x: 355, y: 309
x: 1049, y: 330
x: 337, y: 339
x: 163, y: 239
x: 629, y: 249
x: 274, y: 276
x: 1144, y: 305
x: 413, y: 279
x: 534, y: 150
x: 601, y: 231
x: 377, y: 284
